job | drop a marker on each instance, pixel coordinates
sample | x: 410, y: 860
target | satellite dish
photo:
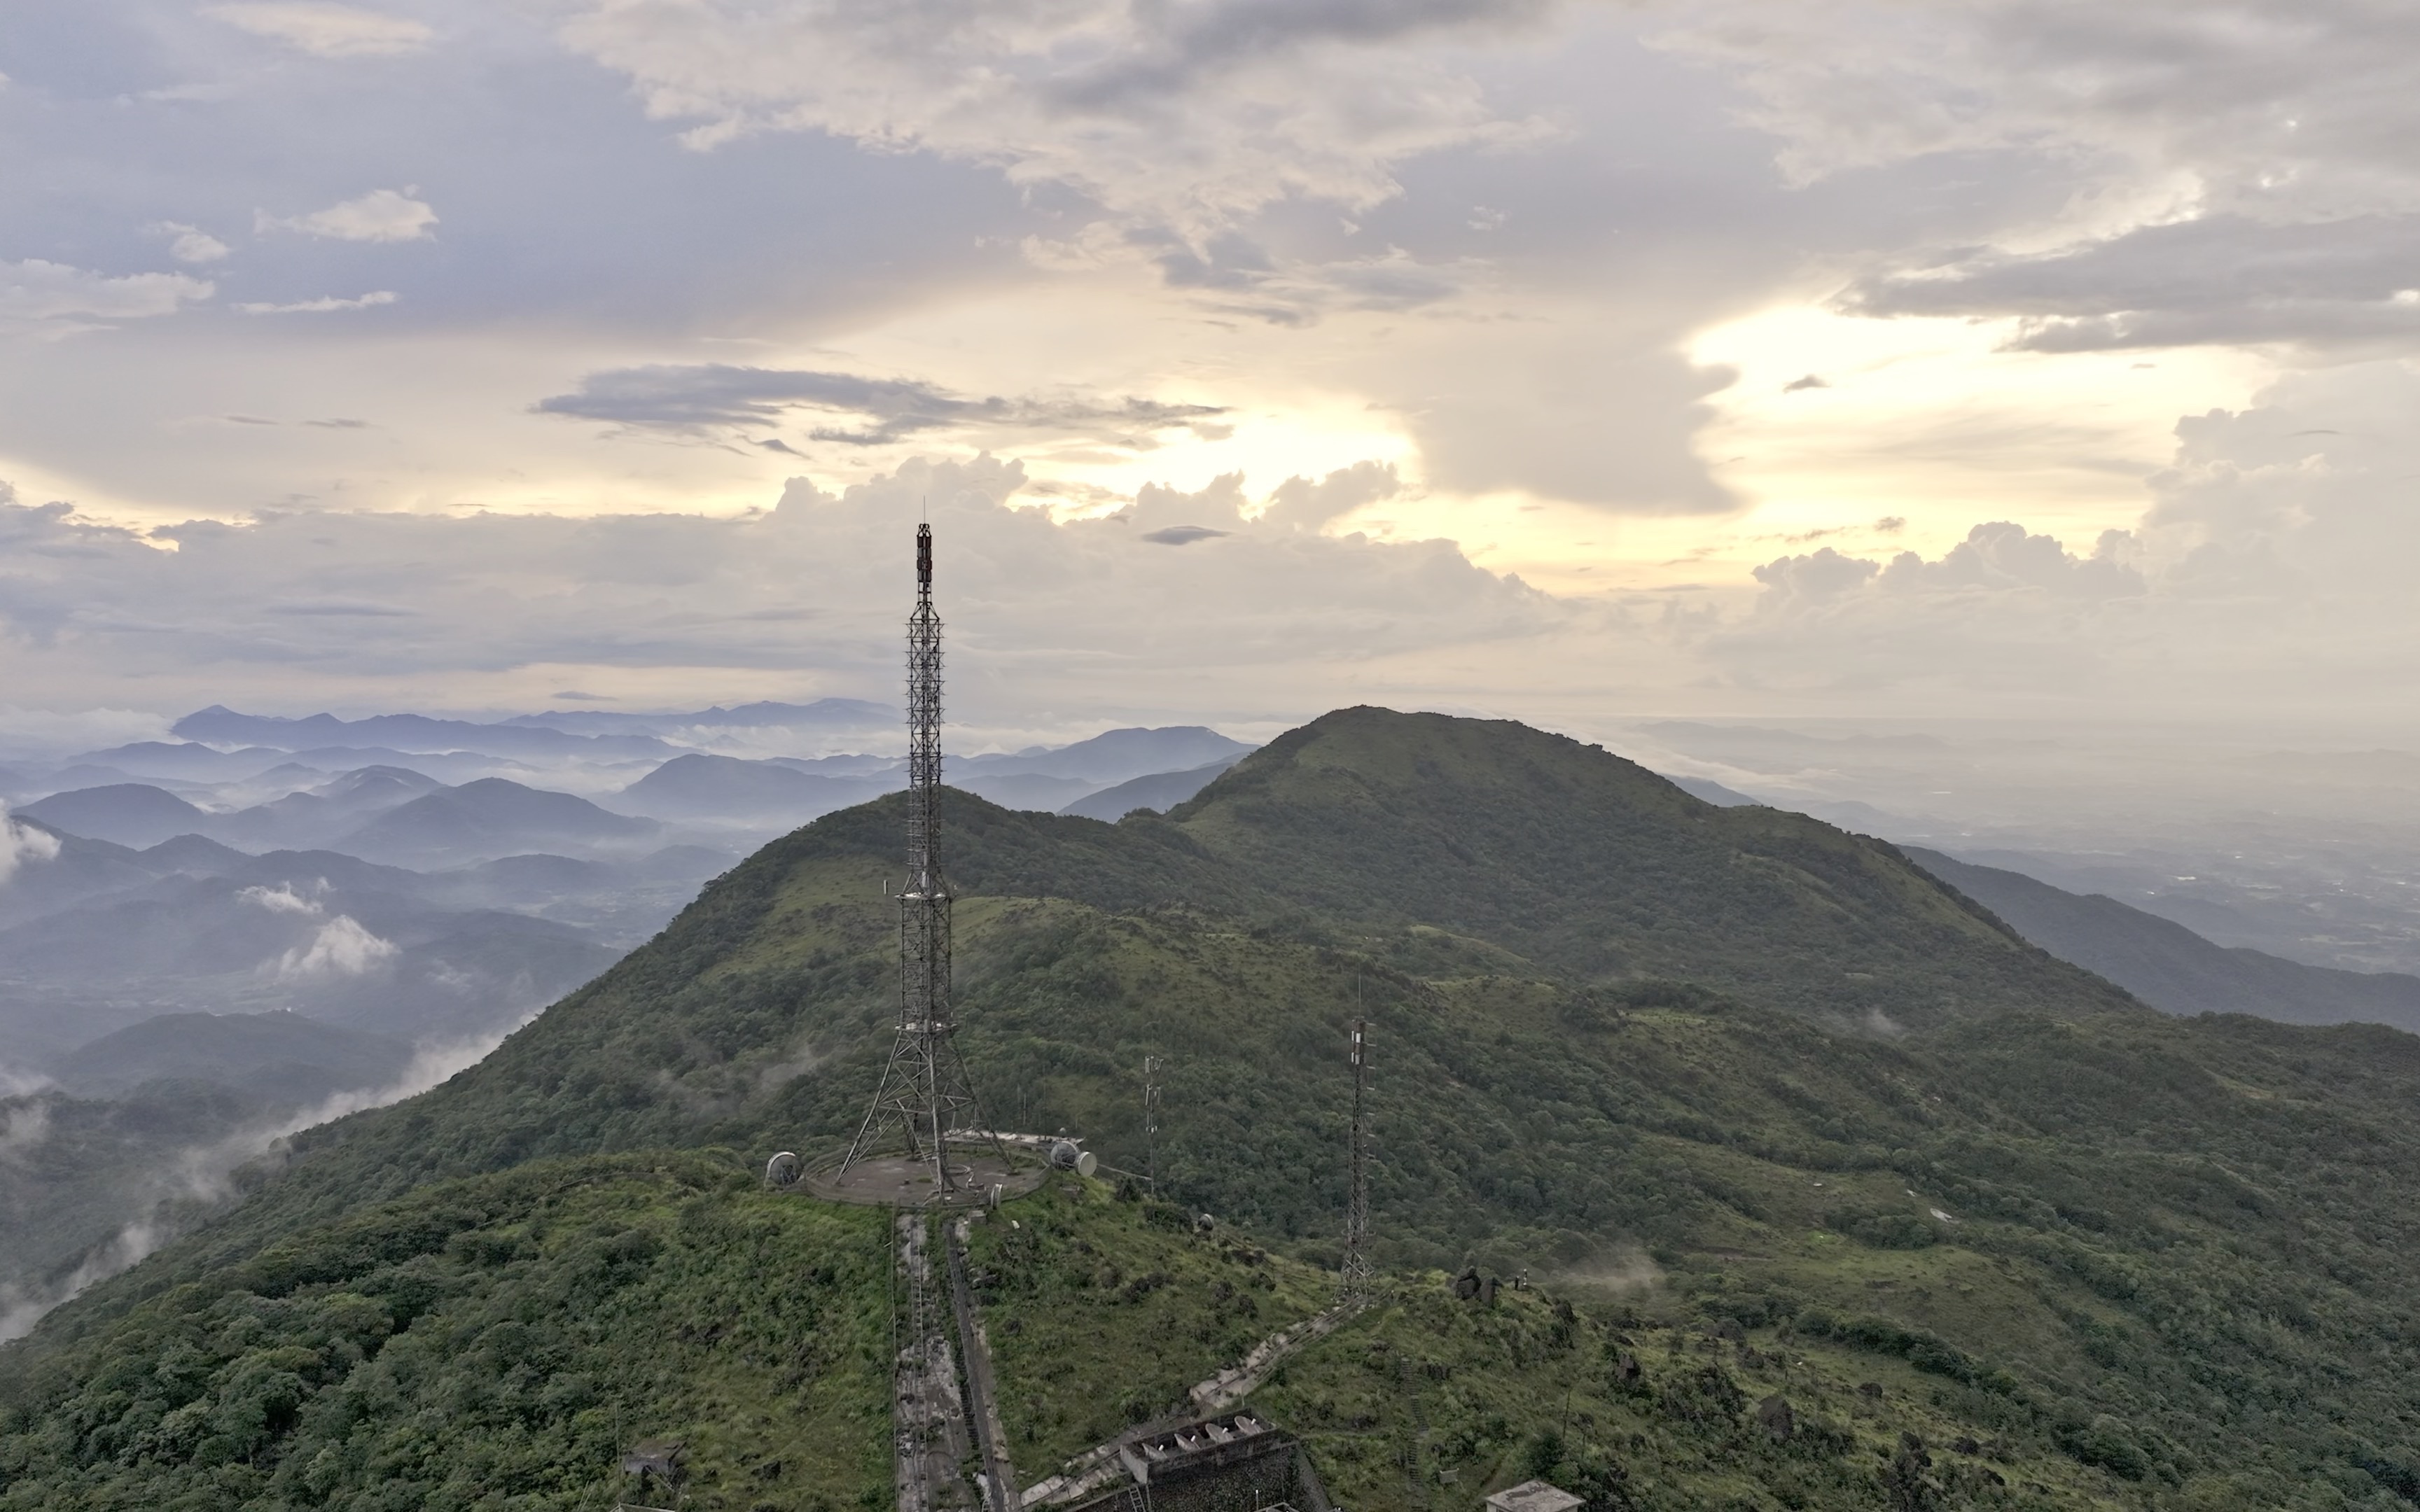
x: 1064, y: 1155
x: 783, y: 1170
x: 1087, y: 1163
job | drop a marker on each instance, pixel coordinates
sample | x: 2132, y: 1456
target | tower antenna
x: 926, y: 1100
x: 1355, y: 1280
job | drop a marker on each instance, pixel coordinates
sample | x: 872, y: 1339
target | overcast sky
x: 1564, y: 361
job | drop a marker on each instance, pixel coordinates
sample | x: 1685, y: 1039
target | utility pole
x: 1355, y: 1280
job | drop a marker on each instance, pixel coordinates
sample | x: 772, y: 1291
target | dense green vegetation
x: 498, y: 1341
x: 1766, y: 1075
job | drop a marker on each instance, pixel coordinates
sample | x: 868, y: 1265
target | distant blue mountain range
x: 563, y: 733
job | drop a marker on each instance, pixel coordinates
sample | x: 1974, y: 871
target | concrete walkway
x: 1100, y: 1466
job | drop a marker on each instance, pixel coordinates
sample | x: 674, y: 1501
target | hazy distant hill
x: 193, y: 926
x: 187, y: 758
x: 704, y: 787
x: 409, y: 732
x: 283, y: 1058
x: 2168, y: 965
x: 102, y: 935
x: 302, y: 820
x: 1036, y: 791
x: 444, y: 767
x: 1711, y: 791
x: 1158, y: 791
x: 123, y: 813
x: 1114, y: 756
x: 82, y: 869
x: 196, y: 853
x: 490, y: 818
x: 823, y: 714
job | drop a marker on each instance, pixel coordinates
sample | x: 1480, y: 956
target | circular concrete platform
x: 893, y: 1180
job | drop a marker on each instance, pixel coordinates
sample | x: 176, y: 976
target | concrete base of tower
x: 891, y: 1179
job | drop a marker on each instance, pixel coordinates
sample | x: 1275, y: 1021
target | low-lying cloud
x: 21, y: 843
x: 175, y: 1194
x: 281, y: 899
x: 342, y: 948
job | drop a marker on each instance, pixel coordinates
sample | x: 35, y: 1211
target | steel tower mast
x: 927, y: 1100
x: 1355, y: 1281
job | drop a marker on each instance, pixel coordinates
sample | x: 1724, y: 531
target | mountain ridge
x: 1810, y: 1092
x: 2172, y: 967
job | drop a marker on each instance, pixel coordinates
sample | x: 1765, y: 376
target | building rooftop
x: 1533, y: 1496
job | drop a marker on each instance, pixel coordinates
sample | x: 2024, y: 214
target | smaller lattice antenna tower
x: 1355, y: 1283
x: 1151, y: 1065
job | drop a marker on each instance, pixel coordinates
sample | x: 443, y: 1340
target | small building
x: 1234, y: 1463
x: 1533, y: 1496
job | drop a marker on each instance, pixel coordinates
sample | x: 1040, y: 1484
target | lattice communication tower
x: 1357, y: 1278
x: 926, y: 1100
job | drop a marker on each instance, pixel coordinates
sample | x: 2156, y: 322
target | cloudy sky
x: 1764, y: 357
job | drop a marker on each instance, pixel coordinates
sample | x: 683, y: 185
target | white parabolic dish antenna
x: 1067, y: 1155
x: 783, y: 1170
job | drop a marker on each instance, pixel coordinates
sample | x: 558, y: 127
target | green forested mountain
x: 1754, y: 1096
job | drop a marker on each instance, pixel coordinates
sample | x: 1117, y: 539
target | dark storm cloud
x: 707, y: 395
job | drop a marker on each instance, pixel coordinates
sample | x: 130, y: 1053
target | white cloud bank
x: 2266, y: 579
x: 805, y: 595
x: 329, y: 31
x: 2269, y: 579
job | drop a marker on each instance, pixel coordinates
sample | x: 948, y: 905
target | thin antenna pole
x: 1355, y: 1280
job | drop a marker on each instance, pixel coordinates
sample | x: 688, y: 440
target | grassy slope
x: 1103, y: 1311
x: 1621, y: 1031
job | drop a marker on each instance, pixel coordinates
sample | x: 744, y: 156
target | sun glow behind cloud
x: 1835, y: 420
